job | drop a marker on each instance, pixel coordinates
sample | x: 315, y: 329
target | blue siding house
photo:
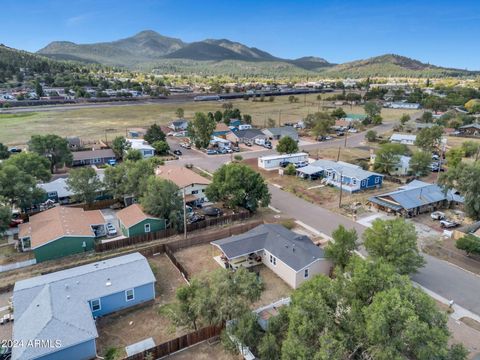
x: 349, y: 177
x: 59, y: 309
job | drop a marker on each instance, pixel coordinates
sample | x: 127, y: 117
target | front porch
x: 245, y: 261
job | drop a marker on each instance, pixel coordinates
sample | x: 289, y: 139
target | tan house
x: 293, y: 257
x: 187, y: 180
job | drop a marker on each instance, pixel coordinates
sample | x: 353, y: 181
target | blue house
x: 55, y: 313
x: 349, y: 177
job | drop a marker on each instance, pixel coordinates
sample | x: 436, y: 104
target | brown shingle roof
x: 132, y: 215
x: 222, y: 127
x: 93, y: 154
x: 60, y: 221
x: 180, y: 175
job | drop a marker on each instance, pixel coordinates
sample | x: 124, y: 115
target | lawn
x: 205, y: 351
x: 110, y: 121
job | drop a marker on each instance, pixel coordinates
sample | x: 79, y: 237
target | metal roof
x: 347, y: 169
x: 55, y: 306
x: 416, y: 194
x: 283, y: 131
x: 283, y: 156
x: 249, y: 134
x: 59, y: 186
x: 296, y: 251
x: 309, y: 170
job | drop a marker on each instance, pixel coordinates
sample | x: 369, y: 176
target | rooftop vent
x: 108, y: 283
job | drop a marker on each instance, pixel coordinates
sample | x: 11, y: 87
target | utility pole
x: 341, y: 190
x: 280, y: 119
x: 184, y: 216
x: 346, y: 135
x: 338, y: 154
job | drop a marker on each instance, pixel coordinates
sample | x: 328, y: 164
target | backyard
x: 110, y: 121
x: 125, y: 328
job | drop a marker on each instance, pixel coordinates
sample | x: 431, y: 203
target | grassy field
x: 95, y: 123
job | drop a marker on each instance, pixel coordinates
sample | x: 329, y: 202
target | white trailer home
x: 273, y: 161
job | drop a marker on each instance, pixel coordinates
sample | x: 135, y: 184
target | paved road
x: 438, y: 276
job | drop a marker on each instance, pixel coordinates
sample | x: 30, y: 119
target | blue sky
x: 441, y: 32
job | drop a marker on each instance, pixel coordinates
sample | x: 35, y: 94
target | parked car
x: 15, y: 222
x: 248, y: 143
x: 171, y: 133
x: 15, y: 150
x: 111, y: 229
x: 195, y: 217
x: 328, y: 138
x: 212, y: 211
x: 284, y: 163
x: 228, y: 150
x: 437, y: 215
x: 340, y: 133
x: 448, y: 224
x: 177, y: 152
x: 235, y: 149
x: 353, y: 130
x: 222, y: 151
x: 268, y: 145
x: 186, y: 145
x: 301, y: 164
x: 211, y: 152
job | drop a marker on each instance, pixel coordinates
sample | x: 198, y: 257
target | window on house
x: 354, y: 181
x: 147, y: 228
x: 273, y: 260
x: 377, y: 180
x: 194, y: 192
x: 363, y: 182
x: 96, y: 305
x: 305, y: 273
x: 129, y: 295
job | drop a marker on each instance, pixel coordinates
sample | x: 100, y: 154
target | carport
x: 308, y: 171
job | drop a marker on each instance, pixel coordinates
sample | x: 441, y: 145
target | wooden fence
x: 179, y: 343
x: 162, y: 234
x: 177, y: 263
x: 97, y: 205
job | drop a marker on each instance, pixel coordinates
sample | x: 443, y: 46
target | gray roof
x: 296, y: 251
x: 347, y: 169
x: 179, y: 122
x: 249, y: 134
x: 416, y: 194
x: 474, y: 125
x: 59, y: 185
x: 93, y: 154
x: 309, y: 170
x: 55, y: 306
x: 283, y: 131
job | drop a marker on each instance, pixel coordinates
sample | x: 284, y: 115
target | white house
x: 402, y: 105
x: 188, y: 181
x: 143, y: 146
x: 406, y: 139
x: 402, y: 168
x: 271, y: 162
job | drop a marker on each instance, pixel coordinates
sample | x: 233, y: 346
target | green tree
x: 338, y: 113
x: 469, y: 243
x: 427, y: 117
x: 395, y: 242
x: 18, y: 187
x: 247, y: 119
x: 119, y: 146
x: 470, y: 148
x: 247, y: 330
x: 420, y: 163
x: 85, y: 184
x: 32, y: 164
x: 342, y: 247
x: 271, y: 123
x: 404, y: 119
x: 4, y: 153
x: 454, y: 156
x: 201, y: 129
x: 161, y: 147
x: 218, y: 116
x: 287, y: 145
x: 466, y: 179
x: 428, y: 139
x: 180, y: 113
x: 154, y: 133
x: 290, y: 170
x: 5, y: 217
x: 54, y: 148
x: 238, y: 185
x: 162, y: 199
x: 188, y: 310
x: 133, y: 155
x: 268, y: 348
x: 39, y: 89
x: 373, y: 110
x: 388, y: 156
x: 371, y: 135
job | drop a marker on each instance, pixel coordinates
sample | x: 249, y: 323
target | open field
x: 204, y: 351
x: 95, y: 123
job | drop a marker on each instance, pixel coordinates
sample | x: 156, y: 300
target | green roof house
x: 133, y: 221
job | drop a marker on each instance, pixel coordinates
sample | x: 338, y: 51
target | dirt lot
x: 125, y: 328
x: 199, y: 260
x: 204, y: 351
x: 120, y: 330
x: 168, y: 278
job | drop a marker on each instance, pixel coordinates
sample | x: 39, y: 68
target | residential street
x: 438, y: 276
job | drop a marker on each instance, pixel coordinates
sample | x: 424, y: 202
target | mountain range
x: 148, y: 50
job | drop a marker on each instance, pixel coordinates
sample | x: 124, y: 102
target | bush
x: 290, y: 170
x: 469, y: 243
x: 238, y: 157
x: 288, y: 223
x: 371, y: 135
